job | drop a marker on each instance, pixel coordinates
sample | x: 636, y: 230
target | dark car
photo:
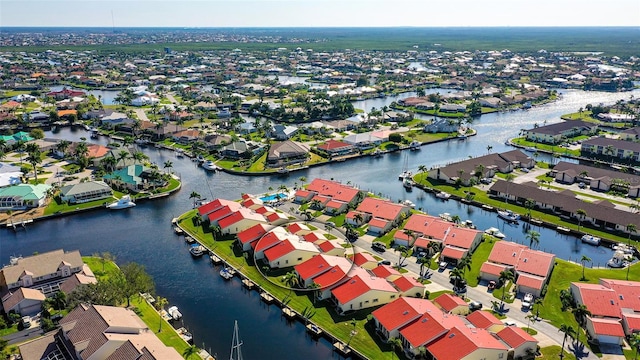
x: 456, y: 280
x: 379, y: 246
x: 384, y: 262
x: 475, y: 305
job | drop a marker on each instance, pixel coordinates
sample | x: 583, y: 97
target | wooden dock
x: 342, y: 348
x: 288, y: 312
x: 248, y: 283
x: 314, y: 330
x: 266, y: 297
x: 15, y: 224
x: 204, y: 355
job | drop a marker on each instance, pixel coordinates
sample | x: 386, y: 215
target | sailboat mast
x: 236, y: 353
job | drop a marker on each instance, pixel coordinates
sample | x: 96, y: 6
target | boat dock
x: 15, y: 224
x: 313, y: 329
x: 266, y: 297
x: 288, y: 312
x: 204, y: 355
x: 215, y: 259
x: 342, y: 348
x: 248, y: 283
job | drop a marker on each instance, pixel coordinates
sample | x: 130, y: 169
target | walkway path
x: 142, y: 116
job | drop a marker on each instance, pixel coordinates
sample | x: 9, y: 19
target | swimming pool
x: 274, y: 197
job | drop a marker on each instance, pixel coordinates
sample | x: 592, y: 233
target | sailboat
x: 236, y: 353
x: 406, y: 174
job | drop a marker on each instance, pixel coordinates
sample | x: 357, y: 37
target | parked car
x: 510, y: 323
x: 456, y: 280
x: 379, y: 246
x: 384, y: 262
x: 26, y: 322
x: 475, y: 305
x: 443, y: 265
x: 582, y: 185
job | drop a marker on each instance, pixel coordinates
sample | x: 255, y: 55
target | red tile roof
x: 514, y: 336
x: 332, y: 145
x: 535, y: 262
x: 424, y: 331
x: 600, y: 300
x: 419, y: 222
x: 242, y: 214
x: 294, y: 228
x: 632, y: 320
x: 454, y: 252
x: 332, y: 277
x: 461, y: 341
x: 326, y: 246
x: 506, y: 252
x: 461, y: 237
x: 266, y: 242
x: 402, y: 311
x: 382, y: 209
x: 449, y: 302
x: 220, y: 213
x: 379, y: 223
x: 406, y: 283
x: 492, y: 269
x: 359, y: 285
x: 320, y: 264
x: 384, y: 271
x: 483, y: 319
x: 530, y: 281
x: 253, y: 233
x: 312, y: 237
x: 335, y: 204
x: 628, y: 292
x: 333, y: 190
x: 361, y: 258
x: 278, y: 250
x: 607, y: 327
x: 215, y: 204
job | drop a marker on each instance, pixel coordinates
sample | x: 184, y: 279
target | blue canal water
x: 210, y: 305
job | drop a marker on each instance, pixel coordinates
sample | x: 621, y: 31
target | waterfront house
x: 409, y: 286
x: 186, y: 136
x: 318, y: 265
x: 134, y: 178
x: 603, y: 147
x: 85, y: 192
x: 208, y: 208
x: 23, y: 301
x: 42, y: 271
x: 290, y: 252
x: 99, y: 332
x: 9, y: 175
x: 482, y: 167
x: 389, y: 319
x: 428, y: 328
x: 23, y: 196
x: 326, y: 190
x: 214, y: 217
x: 240, y: 220
x: 556, y: 133
x: 363, y: 141
x: 215, y: 142
x: 362, y: 291
x: 632, y: 134
x: 334, y: 148
x: 565, y: 203
x: 598, y: 179
x: 247, y: 128
x: 65, y: 94
x: 382, y: 215
x: 614, y: 307
x: 459, y: 242
x: 267, y: 241
x: 441, y: 125
x: 286, y: 153
x: 116, y: 119
x: 283, y: 132
x: 252, y: 235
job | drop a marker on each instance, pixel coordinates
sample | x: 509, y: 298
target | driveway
x: 142, y: 116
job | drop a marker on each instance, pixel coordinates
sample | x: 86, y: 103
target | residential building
x: 362, y: 291
x: 286, y: 153
x: 85, y: 192
x: 482, y: 167
x: 334, y: 148
x: 23, y: 196
x: 290, y: 252
x: 611, y: 148
x: 556, y: 133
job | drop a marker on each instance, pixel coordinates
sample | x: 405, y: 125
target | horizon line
x: 319, y: 27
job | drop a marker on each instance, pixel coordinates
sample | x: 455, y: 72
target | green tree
x: 191, y: 351
x: 159, y: 304
x: 631, y: 228
x: 505, y: 277
x: 568, y: 331
x: 136, y: 281
x: 194, y: 195
x: 34, y: 158
x: 581, y: 215
x: 583, y: 260
x: 533, y: 237
x: 464, y: 264
x: 634, y: 341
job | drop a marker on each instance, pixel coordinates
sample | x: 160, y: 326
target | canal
x: 210, y: 305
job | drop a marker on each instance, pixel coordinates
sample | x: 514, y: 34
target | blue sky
x: 317, y: 13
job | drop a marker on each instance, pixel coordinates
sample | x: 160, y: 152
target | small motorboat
x: 590, y: 239
x: 405, y: 175
x: 443, y: 195
x: 122, y: 203
x: 178, y: 230
x: 619, y: 260
x: 409, y: 203
x: 415, y: 145
x: 197, y: 250
x: 200, y: 158
x: 469, y: 224
x: 226, y: 273
x: 179, y: 153
x: 508, y: 215
x: 189, y: 239
x: 209, y: 165
x: 407, y: 183
x: 174, y: 313
x: 494, y: 232
x: 446, y: 217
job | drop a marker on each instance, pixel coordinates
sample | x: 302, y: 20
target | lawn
x: 551, y: 148
x: 479, y: 256
x: 338, y: 220
x: 325, y: 316
x: 553, y: 353
x: 56, y: 206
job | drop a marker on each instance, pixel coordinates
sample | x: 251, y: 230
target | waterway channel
x: 210, y: 305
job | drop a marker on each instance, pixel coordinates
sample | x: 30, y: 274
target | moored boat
x: 446, y: 217
x: 226, y: 273
x: 443, y: 195
x: 619, y: 260
x: 415, y: 145
x: 407, y: 183
x: 174, y: 313
x: 122, y: 203
x: 494, y: 232
x: 590, y: 239
x: 178, y: 230
x: 508, y: 215
x: 197, y: 250
x: 209, y: 165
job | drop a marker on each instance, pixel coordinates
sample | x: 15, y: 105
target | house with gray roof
x: 23, y: 196
x: 611, y: 148
x: 283, y: 132
x: 482, y: 167
x: 363, y: 140
x: 554, y: 133
x: 599, y: 179
x: 286, y: 153
x: 632, y: 134
x: 85, y: 192
x: 24, y: 301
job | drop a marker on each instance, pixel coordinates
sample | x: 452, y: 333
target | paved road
x: 24, y: 335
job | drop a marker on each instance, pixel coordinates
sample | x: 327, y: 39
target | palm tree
x: 62, y: 146
x: 489, y: 148
x: 568, y: 331
x: 353, y: 332
x: 194, y: 195
x: 538, y: 303
x: 403, y: 253
x: 455, y: 219
x: 168, y: 165
x: 581, y: 215
x: 291, y: 279
x: 314, y: 286
x: 505, y: 276
x: 358, y: 218
x: 631, y: 228
x: 464, y: 264
x: 123, y: 155
x: 423, y: 260
x: 533, y: 237
x: 190, y: 352
x: 138, y: 156
x: 581, y: 312
x: 160, y: 303
x: 109, y: 163
x: 634, y: 341
x: 584, y: 259
x: 529, y: 204
x: 34, y: 158
x: 457, y: 274
x: 396, y: 344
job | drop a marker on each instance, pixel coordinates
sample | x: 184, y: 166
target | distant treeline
x: 620, y: 41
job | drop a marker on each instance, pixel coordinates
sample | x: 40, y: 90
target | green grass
x: 435, y: 294
x: 101, y: 269
x: 10, y: 330
x: 530, y: 330
x: 508, y: 298
x: 479, y: 256
x: 553, y: 353
x: 55, y: 205
x: 552, y: 148
x: 338, y: 220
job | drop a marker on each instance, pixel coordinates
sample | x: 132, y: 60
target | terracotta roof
x: 333, y: 276
x: 461, y: 237
x: 279, y: 250
x: 632, y: 320
x: 295, y: 228
x: 320, y: 264
x: 607, y: 327
x: 449, y: 302
x: 214, y: 205
x: 515, y: 336
x: 267, y: 241
x: 359, y: 285
x: 506, y: 252
x: 454, y: 252
x: 361, y: 258
x: 242, y: 214
x: 333, y: 190
x: 384, y: 271
x: 483, y: 319
x: 535, y: 262
x: 492, y: 269
x: 253, y: 233
x: 405, y: 283
x: 383, y: 209
x: 402, y: 311
x: 379, y: 223
x: 220, y: 213
x: 461, y: 341
x: 419, y: 222
x: 331, y: 145
x: 600, y: 300
x: 97, y: 151
x: 530, y: 281
x: 627, y: 291
x: 424, y: 331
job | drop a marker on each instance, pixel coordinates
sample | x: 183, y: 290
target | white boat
x: 284, y: 170
x: 508, y: 215
x: 200, y: 158
x: 446, y: 217
x: 443, y: 195
x: 179, y: 153
x: 407, y: 183
x: 405, y: 175
x: 415, y: 145
x: 590, y: 239
x: 619, y: 260
x: 563, y: 229
x: 376, y: 153
x: 209, y: 165
x: 226, y: 273
x: 469, y: 224
x: 122, y: 203
x: 494, y: 232
x: 174, y: 313
x: 197, y: 250
x: 462, y: 137
x: 409, y: 203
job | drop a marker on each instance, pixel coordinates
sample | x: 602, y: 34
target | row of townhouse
x: 381, y: 215
x: 332, y: 196
x: 598, y: 179
x: 619, y: 149
x: 456, y: 242
x: 614, y: 307
x: 558, y: 132
x: 532, y: 268
x: 482, y: 167
x: 355, y: 282
x: 423, y: 325
x: 600, y: 213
